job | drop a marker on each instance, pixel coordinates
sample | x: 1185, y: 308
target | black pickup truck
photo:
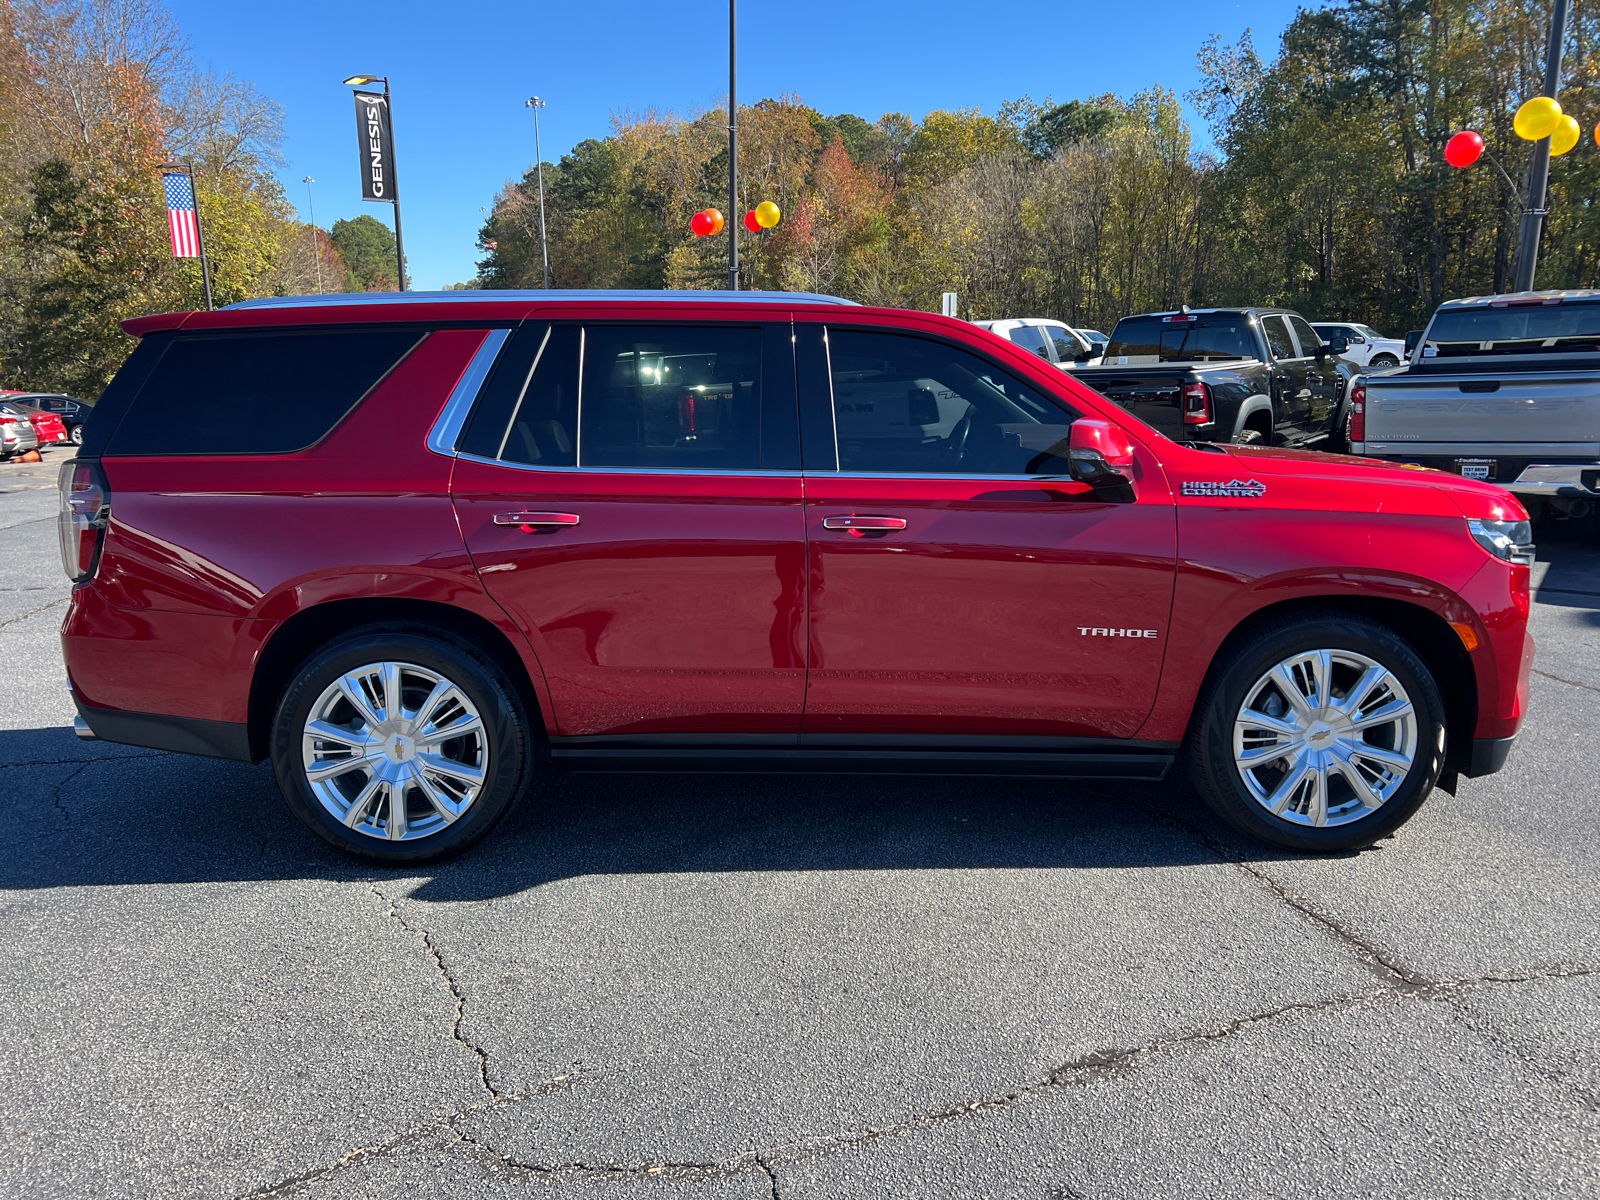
x: 1246, y: 375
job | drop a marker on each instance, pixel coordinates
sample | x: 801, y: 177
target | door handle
x: 530, y: 521
x: 855, y: 523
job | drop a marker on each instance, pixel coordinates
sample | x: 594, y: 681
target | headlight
x: 1510, y: 540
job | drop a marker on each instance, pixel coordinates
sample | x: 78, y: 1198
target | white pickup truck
x: 1503, y: 388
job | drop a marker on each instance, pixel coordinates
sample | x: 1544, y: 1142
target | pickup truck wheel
x: 1249, y: 437
x: 400, y: 745
x: 1379, y: 361
x: 1321, y: 731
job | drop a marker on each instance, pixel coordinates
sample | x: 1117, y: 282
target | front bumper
x: 1489, y: 755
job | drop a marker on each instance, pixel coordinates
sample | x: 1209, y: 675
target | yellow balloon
x: 767, y: 214
x: 1537, y: 118
x: 1565, y: 137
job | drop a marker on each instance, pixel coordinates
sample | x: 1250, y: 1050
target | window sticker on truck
x: 1249, y: 489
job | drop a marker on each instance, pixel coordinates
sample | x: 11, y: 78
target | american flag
x: 181, y: 214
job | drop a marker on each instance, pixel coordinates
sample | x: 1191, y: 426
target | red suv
x: 417, y: 550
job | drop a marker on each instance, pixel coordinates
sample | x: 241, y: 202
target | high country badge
x: 1249, y: 489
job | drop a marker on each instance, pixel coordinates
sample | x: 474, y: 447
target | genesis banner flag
x: 376, y: 137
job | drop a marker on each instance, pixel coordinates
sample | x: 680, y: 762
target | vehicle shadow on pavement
x: 91, y: 814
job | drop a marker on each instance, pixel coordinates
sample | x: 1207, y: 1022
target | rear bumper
x: 1489, y: 755
x: 1573, y: 481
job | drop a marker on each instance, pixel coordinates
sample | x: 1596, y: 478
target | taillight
x: 1196, y: 404
x: 85, y: 513
x: 1358, y: 413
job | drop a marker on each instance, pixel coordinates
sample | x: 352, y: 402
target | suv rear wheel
x: 400, y: 745
x: 1322, y: 731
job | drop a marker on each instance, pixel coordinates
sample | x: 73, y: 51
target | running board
x: 840, y: 761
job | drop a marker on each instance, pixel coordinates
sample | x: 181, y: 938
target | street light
x: 544, y: 247
x: 399, y: 240
x: 316, y: 245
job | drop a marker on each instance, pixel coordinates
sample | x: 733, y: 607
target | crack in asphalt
x: 55, y: 794
x: 1383, y: 963
x: 34, y: 612
x: 455, y: 990
x: 1088, y: 1070
x: 88, y: 762
x: 1562, y: 679
x: 1486, y: 1031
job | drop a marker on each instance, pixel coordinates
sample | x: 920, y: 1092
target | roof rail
x: 555, y: 294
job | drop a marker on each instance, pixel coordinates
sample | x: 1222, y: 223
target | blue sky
x: 461, y: 72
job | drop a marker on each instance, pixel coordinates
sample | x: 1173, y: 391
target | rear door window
x: 1068, y: 347
x: 527, y: 411
x: 256, y: 392
x: 679, y: 397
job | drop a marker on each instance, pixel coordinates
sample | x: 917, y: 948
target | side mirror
x: 1101, y: 455
x: 1413, y: 339
x: 1337, y: 344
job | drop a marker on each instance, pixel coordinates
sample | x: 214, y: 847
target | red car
x: 416, y: 551
x: 50, y: 429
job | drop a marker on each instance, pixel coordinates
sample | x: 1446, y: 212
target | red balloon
x: 750, y: 222
x: 1464, y: 149
x: 702, y: 224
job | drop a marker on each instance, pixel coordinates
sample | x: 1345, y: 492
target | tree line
x: 95, y: 96
x: 1321, y: 185
x: 1324, y: 188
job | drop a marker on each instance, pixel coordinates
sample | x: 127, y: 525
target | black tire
x: 505, y: 723
x: 76, y: 435
x: 1381, y: 361
x: 1209, y: 749
x: 1250, y: 437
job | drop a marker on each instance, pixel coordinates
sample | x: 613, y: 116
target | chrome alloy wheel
x: 395, y: 751
x: 1325, y: 738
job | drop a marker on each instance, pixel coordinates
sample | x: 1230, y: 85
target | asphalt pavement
x: 742, y: 987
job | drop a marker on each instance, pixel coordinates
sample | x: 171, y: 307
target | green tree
x: 367, y: 246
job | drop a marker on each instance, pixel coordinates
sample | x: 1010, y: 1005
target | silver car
x: 17, y: 434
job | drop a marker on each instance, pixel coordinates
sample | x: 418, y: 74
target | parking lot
x: 660, y: 986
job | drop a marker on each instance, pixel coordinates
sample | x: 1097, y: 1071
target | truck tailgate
x: 1529, y: 411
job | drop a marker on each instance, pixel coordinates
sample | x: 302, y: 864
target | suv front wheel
x: 1321, y: 731
x: 400, y: 745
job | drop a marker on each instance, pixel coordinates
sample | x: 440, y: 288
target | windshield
x: 1517, y: 329
x: 1172, y: 339
x: 1367, y: 331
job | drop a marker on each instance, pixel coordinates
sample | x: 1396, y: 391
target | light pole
x: 1539, y: 175
x: 544, y: 246
x: 394, y: 180
x: 316, y: 245
x: 733, y: 158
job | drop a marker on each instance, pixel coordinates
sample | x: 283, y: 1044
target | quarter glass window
x: 528, y: 411
x: 677, y: 397
x: 913, y: 406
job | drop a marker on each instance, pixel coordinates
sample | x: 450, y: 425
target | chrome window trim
x: 447, y: 427
x: 577, y: 421
x: 558, y: 295
x: 699, y: 471
x: 725, y: 472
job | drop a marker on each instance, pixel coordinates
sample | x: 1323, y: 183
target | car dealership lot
x: 800, y: 987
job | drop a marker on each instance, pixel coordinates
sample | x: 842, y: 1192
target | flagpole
x: 200, y: 236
